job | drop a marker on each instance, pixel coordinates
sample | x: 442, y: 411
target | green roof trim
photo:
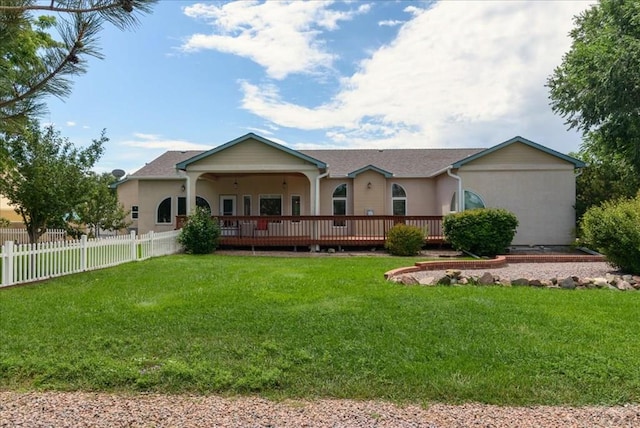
x: 370, y: 167
x: 250, y: 136
x: 577, y: 163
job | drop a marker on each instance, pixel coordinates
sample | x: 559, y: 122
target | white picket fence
x: 20, y: 236
x: 22, y: 263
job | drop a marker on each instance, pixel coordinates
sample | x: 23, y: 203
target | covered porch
x: 316, y: 231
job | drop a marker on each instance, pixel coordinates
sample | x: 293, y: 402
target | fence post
x: 151, y: 238
x: 7, y: 267
x: 83, y: 253
x: 134, y: 245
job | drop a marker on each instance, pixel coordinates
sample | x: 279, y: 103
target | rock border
x: 453, y: 273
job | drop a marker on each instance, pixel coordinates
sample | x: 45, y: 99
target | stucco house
x: 263, y: 189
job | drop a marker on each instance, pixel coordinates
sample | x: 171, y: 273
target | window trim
x: 334, y: 199
x: 270, y: 196
x: 170, y: 211
x: 453, y: 206
x: 205, y: 201
x: 293, y: 204
x: 399, y: 199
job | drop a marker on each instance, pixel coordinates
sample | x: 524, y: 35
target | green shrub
x: 404, y: 240
x: 484, y: 231
x: 613, y: 229
x: 201, y: 233
x: 4, y: 222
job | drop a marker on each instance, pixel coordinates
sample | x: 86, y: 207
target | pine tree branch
x: 53, y: 8
x: 70, y: 58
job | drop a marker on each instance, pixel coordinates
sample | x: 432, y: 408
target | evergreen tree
x: 34, y: 64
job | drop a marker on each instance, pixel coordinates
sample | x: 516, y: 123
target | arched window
x: 164, y: 211
x: 340, y: 203
x: 202, y: 202
x: 398, y: 199
x: 471, y: 201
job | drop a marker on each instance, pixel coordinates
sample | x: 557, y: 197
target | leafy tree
x: 4, y: 222
x: 613, y: 228
x: 34, y: 64
x: 597, y: 86
x: 101, y: 209
x: 605, y: 178
x: 45, y: 176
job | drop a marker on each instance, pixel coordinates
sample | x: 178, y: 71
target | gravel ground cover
x: 538, y: 270
x: 74, y: 409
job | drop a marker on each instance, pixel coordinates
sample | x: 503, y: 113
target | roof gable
x: 250, y: 136
x: 370, y: 167
x: 576, y: 162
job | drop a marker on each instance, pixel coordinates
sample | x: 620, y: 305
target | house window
x: 398, y: 200
x: 340, y: 204
x: 202, y: 203
x: 164, y: 211
x: 246, y: 205
x: 270, y: 204
x: 134, y: 212
x: 471, y: 201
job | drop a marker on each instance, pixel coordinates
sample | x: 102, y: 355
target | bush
x: 484, y: 231
x: 404, y: 240
x: 613, y: 228
x: 4, y: 222
x: 201, y: 233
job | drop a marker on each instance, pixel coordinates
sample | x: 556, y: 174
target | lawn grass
x: 317, y: 327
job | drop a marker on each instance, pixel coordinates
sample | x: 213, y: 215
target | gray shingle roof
x: 165, y: 164
x: 400, y: 162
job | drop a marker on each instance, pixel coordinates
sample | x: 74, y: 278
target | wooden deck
x: 318, y: 231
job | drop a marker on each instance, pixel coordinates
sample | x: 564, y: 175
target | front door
x: 227, y: 207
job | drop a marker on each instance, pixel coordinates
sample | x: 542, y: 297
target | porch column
x: 314, y: 191
x: 190, y: 185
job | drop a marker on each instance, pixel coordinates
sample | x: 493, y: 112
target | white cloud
x: 281, y: 36
x: 153, y: 141
x: 458, y: 70
x: 70, y: 123
x: 390, y: 23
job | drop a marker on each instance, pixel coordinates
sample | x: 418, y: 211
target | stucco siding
x: 327, y: 187
x: 7, y: 211
x: 515, y: 155
x: 248, y: 153
x: 128, y: 197
x: 541, y: 200
x: 365, y: 198
x: 421, y: 196
x: 151, y: 194
x: 446, y: 186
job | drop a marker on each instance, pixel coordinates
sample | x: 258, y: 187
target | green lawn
x: 317, y: 327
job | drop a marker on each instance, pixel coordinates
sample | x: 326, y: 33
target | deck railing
x: 318, y: 230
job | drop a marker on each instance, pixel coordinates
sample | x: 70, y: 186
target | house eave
x: 518, y: 139
x: 251, y: 136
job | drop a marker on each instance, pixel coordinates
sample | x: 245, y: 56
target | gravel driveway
x: 106, y: 410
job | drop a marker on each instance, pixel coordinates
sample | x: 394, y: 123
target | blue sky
x: 323, y: 74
